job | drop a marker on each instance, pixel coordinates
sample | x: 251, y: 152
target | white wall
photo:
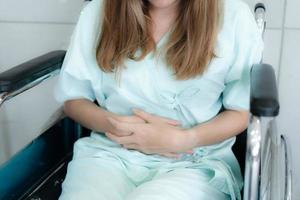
x: 34, y: 27
x: 30, y: 28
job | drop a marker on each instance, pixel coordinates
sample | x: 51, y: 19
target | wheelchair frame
x: 44, y: 161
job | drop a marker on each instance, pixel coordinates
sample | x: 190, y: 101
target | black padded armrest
x: 264, y: 94
x: 25, y: 73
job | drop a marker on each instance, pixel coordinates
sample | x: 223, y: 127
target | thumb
x: 154, y: 118
x: 144, y: 115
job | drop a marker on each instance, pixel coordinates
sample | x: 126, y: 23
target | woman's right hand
x: 136, y: 119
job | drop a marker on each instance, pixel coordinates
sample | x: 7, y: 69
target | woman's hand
x: 154, y: 136
x: 138, y: 119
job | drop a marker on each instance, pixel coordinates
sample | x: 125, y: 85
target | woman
x: 160, y: 71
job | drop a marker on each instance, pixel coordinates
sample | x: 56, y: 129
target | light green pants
x: 114, y: 173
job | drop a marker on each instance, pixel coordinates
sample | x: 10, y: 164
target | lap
x: 188, y: 184
x: 95, y: 179
x: 97, y: 174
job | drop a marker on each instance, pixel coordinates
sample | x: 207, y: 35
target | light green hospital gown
x: 102, y: 169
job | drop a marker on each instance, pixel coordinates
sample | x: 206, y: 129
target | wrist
x: 192, y: 137
x: 106, y: 124
x: 184, y: 140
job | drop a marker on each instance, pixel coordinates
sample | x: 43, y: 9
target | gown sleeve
x: 248, y: 49
x: 79, y: 71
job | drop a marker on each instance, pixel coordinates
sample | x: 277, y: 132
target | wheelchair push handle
x: 259, y: 6
x: 260, y: 17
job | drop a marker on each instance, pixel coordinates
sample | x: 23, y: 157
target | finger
x: 189, y: 152
x: 133, y: 119
x: 121, y: 127
x: 144, y: 115
x: 155, y: 118
x: 170, y: 121
x: 171, y: 155
x: 131, y: 146
x: 115, y: 134
x: 112, y: 137
x: 120, y: 139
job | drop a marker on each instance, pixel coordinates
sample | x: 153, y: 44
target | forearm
x: 225, y: 125
x: 88, y: 114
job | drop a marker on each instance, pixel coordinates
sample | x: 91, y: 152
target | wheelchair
x: 37, y: 171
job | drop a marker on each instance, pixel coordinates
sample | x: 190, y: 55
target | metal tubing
x: 288, y: 170
x: 253, y: 158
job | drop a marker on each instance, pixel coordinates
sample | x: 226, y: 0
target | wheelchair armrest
x: 33, y: 165
x: 23, y: 74
x: 264, y: 94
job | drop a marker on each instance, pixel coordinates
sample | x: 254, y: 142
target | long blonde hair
x: 126, y: 25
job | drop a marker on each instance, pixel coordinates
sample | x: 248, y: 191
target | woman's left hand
x: 155, y: 136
